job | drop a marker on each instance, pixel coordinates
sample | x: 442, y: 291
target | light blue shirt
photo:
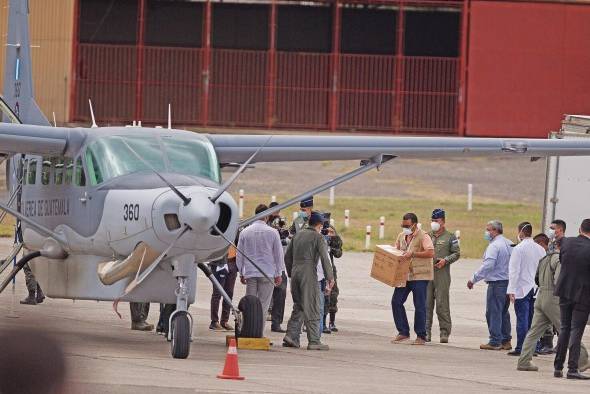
x: 262, y: 244
x: 495, y: 261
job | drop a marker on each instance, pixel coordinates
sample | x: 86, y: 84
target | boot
x: 40, y: 296
x: 30, y: 300
x: 318, y: 346
x: 142, y: 326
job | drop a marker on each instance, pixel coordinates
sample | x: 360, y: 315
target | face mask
x: 435, y: 226
x: 518, y: 236
x: 551, y: 233
x: 407, y: 231
x: 487, y: 236
x: 303, y: 214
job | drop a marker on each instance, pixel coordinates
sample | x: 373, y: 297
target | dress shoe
x: 545, y: 351
x: 506, y: 345
x: 278, y: 329
x: 528, y: 367
x: 488, y: 346
x: 333, y: 327
x: 419, y: 341
x: 142, y: 326
x: 514, y: 353
x: 318, y: 346
x: 326, y: 330
x: 400, y: 338
x: 288, y: 342
x: 576, y: 375
x: 30, y: 300
x: 227, y: 326
x: 558, y: 373
x: 215, y: 326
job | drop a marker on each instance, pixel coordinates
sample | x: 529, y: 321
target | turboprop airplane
x: 126, y: 213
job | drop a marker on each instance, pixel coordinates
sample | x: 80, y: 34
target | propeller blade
x: 140, y: 278
x: 186, y: 200
x: 236, y: 174
x: 243, y: 254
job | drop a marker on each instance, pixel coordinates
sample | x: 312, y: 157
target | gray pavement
x: 105, y: 356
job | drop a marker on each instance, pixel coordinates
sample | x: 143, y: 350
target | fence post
x: 382, y: 227
x: 332, y: 196
x: 346, y: 218
x: 241, y: 203
x: 470, y: 197
x: 368, y: 238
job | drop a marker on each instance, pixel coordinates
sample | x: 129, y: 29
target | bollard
x: 458, y: 236
x: 368, y: 238
x: 333, y: 223
x: 346, y: 217
x: 273, y: 198
x: 241, y: 203
x: 470, y: 197
x: 382, y: 227
x: 332, y: 196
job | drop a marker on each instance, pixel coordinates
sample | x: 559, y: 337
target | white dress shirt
x: 262, y: 244
x: 523, y: 267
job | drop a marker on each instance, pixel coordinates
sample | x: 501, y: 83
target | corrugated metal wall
x: 51, y: 24
x: 529, y: 63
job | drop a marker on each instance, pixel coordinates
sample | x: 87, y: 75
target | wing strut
x: 366, y: 165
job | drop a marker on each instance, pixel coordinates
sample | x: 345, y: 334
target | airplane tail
x: 18, y: 79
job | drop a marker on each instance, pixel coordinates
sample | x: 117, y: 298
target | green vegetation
x: 7, y: 227
x: 366, y: 211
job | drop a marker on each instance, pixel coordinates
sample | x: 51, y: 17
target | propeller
x: 236, y: 174
x: 243, y: 254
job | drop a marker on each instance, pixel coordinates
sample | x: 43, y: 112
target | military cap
x: 316, y: 218
x: 307, y: 203
x: 438, y: 213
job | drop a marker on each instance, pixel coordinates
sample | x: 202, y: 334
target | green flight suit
x: 546, y: 313
x: 298, y: 224
x: 446, y: 246
x: 301, y: 260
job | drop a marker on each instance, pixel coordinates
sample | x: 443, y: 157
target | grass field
x: 366, y: 211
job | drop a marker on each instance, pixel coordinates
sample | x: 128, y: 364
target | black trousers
x: 279, y: 295
x: 574, y: 317
x: 227, y: 280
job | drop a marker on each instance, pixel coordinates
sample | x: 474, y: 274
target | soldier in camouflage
x: 36, y: 295
x: 446, y: 252
x: 331, y: 299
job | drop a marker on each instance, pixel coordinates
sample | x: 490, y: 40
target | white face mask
x: 435, y: 226
x: 407, y: 231
x: 551, y: 233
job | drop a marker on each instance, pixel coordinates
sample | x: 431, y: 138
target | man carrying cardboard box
x: 419, y: 251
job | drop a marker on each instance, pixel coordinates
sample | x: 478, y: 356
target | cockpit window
x: 111, y: 157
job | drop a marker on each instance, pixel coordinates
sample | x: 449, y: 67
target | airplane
x: 127, y: 213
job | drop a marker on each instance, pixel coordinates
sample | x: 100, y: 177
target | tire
x: 252, y: 324
x: 181, y: 336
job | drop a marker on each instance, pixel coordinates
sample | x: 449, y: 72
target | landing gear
x: 181, y: 321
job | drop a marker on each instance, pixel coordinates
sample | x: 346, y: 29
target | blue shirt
x: 495, y: 261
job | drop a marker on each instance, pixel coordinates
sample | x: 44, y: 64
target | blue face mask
x: 303, y: 214
x: 487, y: 236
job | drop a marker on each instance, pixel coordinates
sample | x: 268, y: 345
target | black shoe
x: 326, y: 330
x: 30, y: 300
x: 333, y: 327
x: 545, y: 351
x: 278, y: 329
x: 558, y: 373
x: 514, y: 353
x: 577, y: 375
x: 40, y: 296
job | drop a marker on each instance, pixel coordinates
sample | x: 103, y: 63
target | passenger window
x: 32, y: 177
x: 69, y: 168
x: 94, y: 173
x: 58, y: 172
x: 79, y: 177
x: 45, y: 171
x: 25, y: 171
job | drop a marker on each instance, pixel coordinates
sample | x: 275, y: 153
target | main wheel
x: 181, y: 336
x: 252, y: 323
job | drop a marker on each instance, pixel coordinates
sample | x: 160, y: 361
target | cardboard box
x: 388, y: 267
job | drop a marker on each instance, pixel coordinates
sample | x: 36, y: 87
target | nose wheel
x: 180, y: 345
x: 181, y: 321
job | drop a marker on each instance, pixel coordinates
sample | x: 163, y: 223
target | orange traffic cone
x: 231, y: 370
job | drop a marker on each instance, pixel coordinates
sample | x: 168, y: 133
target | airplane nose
x: 200, y: 214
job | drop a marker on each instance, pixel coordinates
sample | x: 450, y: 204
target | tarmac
x: 104, y: 356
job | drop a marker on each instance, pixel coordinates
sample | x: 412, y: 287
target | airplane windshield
x: 111, y: 157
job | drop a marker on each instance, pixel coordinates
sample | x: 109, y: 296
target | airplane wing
x: 41, y: 140
x: 237, y: 148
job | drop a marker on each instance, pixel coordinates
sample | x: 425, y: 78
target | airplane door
x: 80, y: 202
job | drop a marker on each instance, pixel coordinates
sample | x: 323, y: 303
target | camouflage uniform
x: 331, y: 300
x: 446, y: 246
x: 36, y: 295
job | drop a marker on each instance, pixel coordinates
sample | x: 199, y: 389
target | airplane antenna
x: 169, y: 116
x: 92, y: 114
x: 54, y: 122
